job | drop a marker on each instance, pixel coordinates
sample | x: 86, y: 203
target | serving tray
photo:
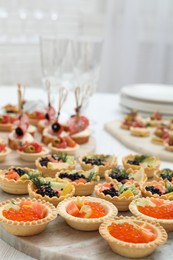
x: 138, y: 144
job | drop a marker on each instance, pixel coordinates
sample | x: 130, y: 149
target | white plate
x: 150, y: 92
x: 146, y: 107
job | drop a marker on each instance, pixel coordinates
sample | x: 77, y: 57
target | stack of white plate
x: 148, y: 98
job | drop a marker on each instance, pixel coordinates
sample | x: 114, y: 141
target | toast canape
x: 132, y: 236
x: 10, y: 109
x: 64, y: 144
x: 138, y: 128
x: 168, y: 143
x: 35, y: 117
x: 158, y: 189
x: 83, y: 181
x: 117, y: 193
x: 50, y: 189
x: 26, y: 217
x: 31, y: 151
x: 15, y: 180
x: 103, y: 161
x: 129, y: 119
x: 155, y: 119
x: 154, y: 209
x: 136, y: 161
x: 164, y: 174
x: 160, y: 134
x: 4, y: 151
x: 120, y: 174
x: 86, y: 213
x: 51, y: 164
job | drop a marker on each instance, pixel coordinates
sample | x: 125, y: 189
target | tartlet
x: 150, y: 209
x: 50, y: 190
x: 119, y: 194
x: 151, y: 233
x: 129, y: 119
x: 135, y: 161
x: 7, y: 122
x: 83, y: 181
x: 103, y: 161
x: 4, y: 151
x: 138, y: 128
x: 14, y: 140
x: 164, y: 174
x: 51, y: 164
x: 120, y: 174
x: 168, y: 143
x: 155, y: 119
x: 44, y: 211
x: 78, y: 205
x: 15, y: 180
x: 30, y: 151
x: 158, y: 189
x: 64, y: 144
x: 160, y: 134
x: 35, y: 117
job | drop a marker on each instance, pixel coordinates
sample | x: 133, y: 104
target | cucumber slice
x: 57, y: 185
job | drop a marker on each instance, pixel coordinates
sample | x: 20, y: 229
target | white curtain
x: 138, y: 45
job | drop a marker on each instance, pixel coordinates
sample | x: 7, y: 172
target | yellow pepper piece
x: 127, y: 194
x: 67, y: 189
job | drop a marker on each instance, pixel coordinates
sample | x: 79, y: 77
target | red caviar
x: 164, y: 211
x: 131, y: 233
x: 22, y: 214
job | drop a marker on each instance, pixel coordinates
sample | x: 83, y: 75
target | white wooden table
x: 102, y: 108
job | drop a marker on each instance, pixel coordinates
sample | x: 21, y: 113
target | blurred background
x: 136, y: 41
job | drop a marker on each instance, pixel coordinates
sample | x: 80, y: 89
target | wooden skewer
x: 62, y: 98
x: 20, y: 99
x: 48, y: 86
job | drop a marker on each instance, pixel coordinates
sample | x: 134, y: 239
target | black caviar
x: 153, y: 190
x: 112, y: 191
x: 93, y: 161
x: 47, y: 190
x: 72, y: 176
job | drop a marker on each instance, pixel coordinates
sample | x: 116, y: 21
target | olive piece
x: 19, y: 131
x: 47, y: 116
x: 30, y: 149
x: 56, y: 127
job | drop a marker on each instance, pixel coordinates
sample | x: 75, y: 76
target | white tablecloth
x: 102, y: 108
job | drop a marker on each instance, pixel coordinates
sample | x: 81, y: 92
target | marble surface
x: 139, y: 144
x: 62, y: 239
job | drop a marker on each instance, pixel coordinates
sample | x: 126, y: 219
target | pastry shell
x: 131, y: 172
x: 17, y: 187
x: 168, y: 147
x: 4, y: 154
x: 86, y: 224
x: 167, y: 224
x: 6, y: 127
x: 146, y: 193
x: 28, y: 228
x: 47, y: 172
x: 102, y: 168
x: 80, y: 139
x: 82, y: 189
x: 149, y: 170
x: 157, y: 175
x: 122, y: 203
x: 31, y: 157
x: 138, y: 131
x: 54, y: 200
x: 68, y: 150
x: 132, y: 250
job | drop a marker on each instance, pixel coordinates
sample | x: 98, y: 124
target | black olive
x: 47, y: 116
x: 56, y: 127
x: 19, y: 131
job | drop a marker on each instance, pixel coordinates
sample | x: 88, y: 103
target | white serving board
x: 138, y: 144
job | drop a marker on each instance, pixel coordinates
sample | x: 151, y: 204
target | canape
x: 51, y: 164
x: 83, y: 181
x: 120, y: 174
x: 160, y: 134
x: 35, y: 117
x: 138, y: 128
x: 164, y: 174
x: 168, y: 143
x: 4, y: 151
x: 129, y: 119
x: 103, y: 161
x: 86, y: 213
x: 155, y: 119
x: 132, y: 237
x: 15, y: 180
x: 31, y: 151
x: 50, y: 190
x: 7, y: 122
x: 26, y: 217
x: 117, y: 193
x: 155, y: 209
x: 64, y: 144
x: 136, y: 161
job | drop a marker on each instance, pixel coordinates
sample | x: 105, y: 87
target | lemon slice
x: 67, y: 189
x: 24, y: 177
x: 168, y: 195
x: 87, y: 210
x: 127, y: 194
